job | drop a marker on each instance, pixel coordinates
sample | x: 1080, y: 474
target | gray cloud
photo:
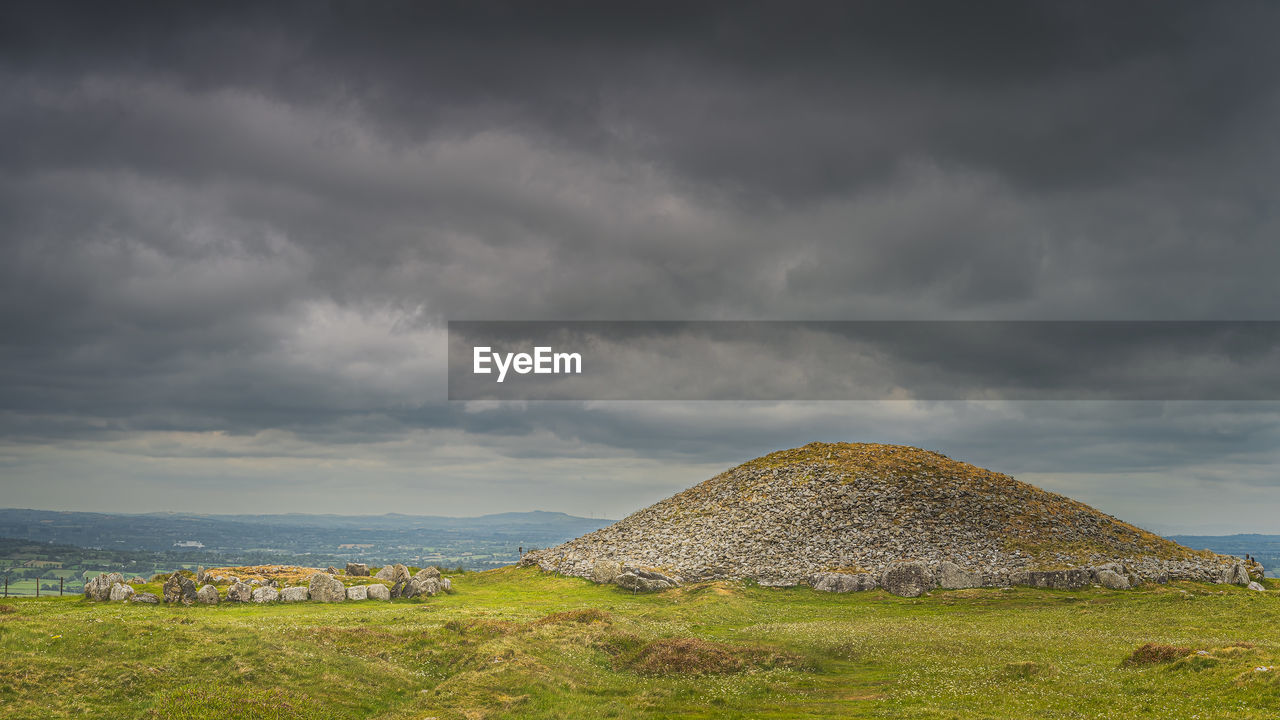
x: 231, y: 234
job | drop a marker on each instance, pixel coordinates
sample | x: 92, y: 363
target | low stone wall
x: 321, y: 587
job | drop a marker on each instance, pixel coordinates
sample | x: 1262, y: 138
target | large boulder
x: 357, y: 569
x: 294, y: 594
x: 421, y: 586
x: 266, y: 594
x: 207, y: 595
x: 1113, y: 580
x: 396, y: 574
x: 240, y: 592
x: 640, y: 580
x: 324, y: 587
x: 427, y: 573
x: 953, y: 577
x: 99, y: 588
x: 179, y: 588
x: 837, y: 582
x: 378, y: 591
x: 148, y: 598
x: 120, y: 592
x: 358, y: 592
x: 1253, y: 585
x: 605, y: 571
x: 907, y: 579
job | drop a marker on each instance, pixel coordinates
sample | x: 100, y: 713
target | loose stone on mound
x: 294, y: 594
x: 207, y: 595
x: 326, y: 588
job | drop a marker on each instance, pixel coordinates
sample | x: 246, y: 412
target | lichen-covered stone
x: 324, y: 587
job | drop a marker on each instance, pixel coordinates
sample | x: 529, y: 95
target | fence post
x: 60, y: 581
x: 37, y: 587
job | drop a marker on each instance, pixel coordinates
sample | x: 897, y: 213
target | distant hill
x: 476, y: 542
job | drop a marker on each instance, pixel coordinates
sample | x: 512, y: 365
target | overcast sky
x: 230, y: 237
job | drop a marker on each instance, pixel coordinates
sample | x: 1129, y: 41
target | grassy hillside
x: 515, y: 643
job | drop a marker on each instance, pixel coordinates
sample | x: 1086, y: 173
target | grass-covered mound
x: 518, y: 643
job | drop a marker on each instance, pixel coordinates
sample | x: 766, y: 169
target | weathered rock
x: 907, y: 579
x: 386, y: 572
x: 378, y: 591
x: 266, y: 595
x: 1113, y: 580
x: 446, y: 585
x: 255, y: 582
x: 294, y: 594
x: 953, y: 577
x: 843, y: 582
x: 99, y: 588
x: 426, y: 573
x: 201, y: 577
x: 179, y: 588
x: 417, y: 586
x: 332, y: 570
x: 605, y: 571
x: 355, y: 569
x: 641, y: 580
x: 358, y: 592
x: 120, y: 592
x: 1256, y: 586
x: 240, y: 592
x: 207, y: 595
x: 1057, y: 579
x: 1240, y: 574
x: 148, y: 598
x: 137, y: 581
x: 324, y: 587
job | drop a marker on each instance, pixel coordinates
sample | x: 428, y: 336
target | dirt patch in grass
x: 7, y: 609
x: 1155, y: 654
x: 694, y: 656
x: 584, y: 616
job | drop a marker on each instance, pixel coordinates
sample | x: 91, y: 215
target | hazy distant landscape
x: 48, y: 545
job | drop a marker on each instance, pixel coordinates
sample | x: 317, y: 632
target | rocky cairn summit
x: 843, y: 517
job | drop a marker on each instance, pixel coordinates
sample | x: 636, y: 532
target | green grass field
x: 514, y: 643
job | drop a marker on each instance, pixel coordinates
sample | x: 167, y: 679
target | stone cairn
x: 845, y: 517
x: 320, y: 587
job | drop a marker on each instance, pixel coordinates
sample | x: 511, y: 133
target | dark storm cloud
x: 242, y: 218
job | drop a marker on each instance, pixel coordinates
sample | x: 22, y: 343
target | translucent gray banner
x: 922, y: 360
